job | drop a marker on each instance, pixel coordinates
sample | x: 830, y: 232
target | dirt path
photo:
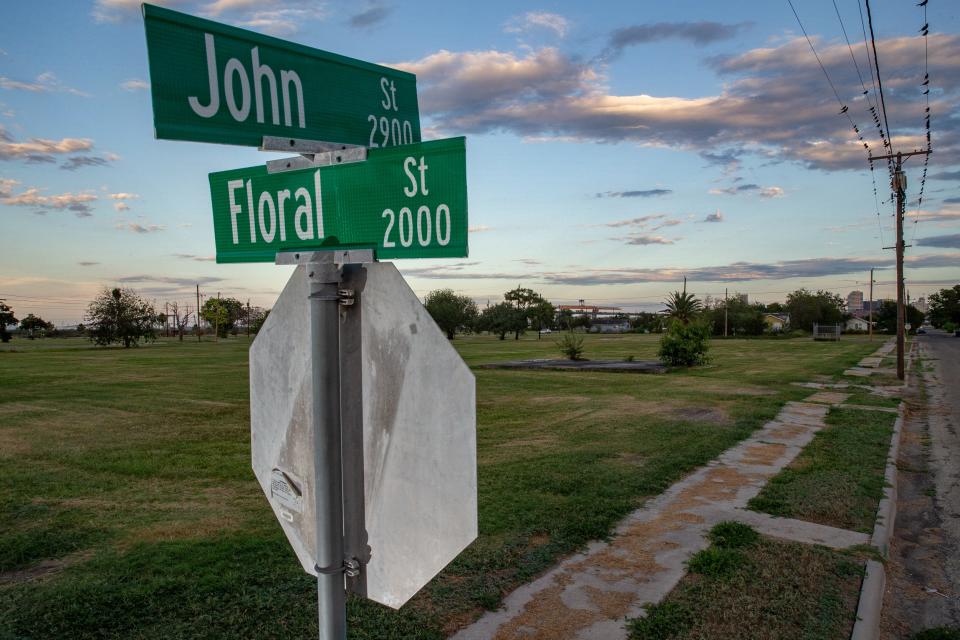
x: 923, y: 588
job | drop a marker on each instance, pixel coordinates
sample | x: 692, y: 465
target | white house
x: 856, y: 324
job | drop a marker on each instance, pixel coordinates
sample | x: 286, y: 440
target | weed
x: 733, y: 535
x: 663, y: 621
x: 938, y: 633
x: 716, y: 562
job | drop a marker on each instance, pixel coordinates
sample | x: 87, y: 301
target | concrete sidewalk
x: 591, y: 595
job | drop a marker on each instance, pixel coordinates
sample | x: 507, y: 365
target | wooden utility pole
x: 198, y: 313
x: 900, y: 188
x: 248, y: 318
x: 870, y: 311
x: 725, y: 312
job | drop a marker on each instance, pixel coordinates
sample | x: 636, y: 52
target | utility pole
x: 870, y: 321
x: 899, y: 186
x: 198, y: 313
x: 725, y: 312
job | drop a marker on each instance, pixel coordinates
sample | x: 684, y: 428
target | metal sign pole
x: 324, y: 277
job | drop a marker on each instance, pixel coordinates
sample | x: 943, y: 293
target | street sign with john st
x: 211, y: 82
x: 403, y: 202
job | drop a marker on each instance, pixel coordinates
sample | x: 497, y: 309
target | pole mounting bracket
x: 351, y: 567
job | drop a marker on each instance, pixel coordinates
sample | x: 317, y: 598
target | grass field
x: 128, y: 508
x: 754, y: 588
x: 838, y: 479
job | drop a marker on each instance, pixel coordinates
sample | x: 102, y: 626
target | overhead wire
x: 924, y: 30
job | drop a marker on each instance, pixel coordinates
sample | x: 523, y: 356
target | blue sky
x: 612, y: 148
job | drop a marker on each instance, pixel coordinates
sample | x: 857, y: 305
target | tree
x: 120, y: 315
x: 502, y: 318
x: 450, y: 311
x: 35, y: 326
x: 646, y: 322
x: 683, y: 306
x: 685, y: 344
x: 945, y: 307
x: 259, y: 320
x: 222, y: 314
x: 6, y: 318
x: 541, y: 315
x: 807, y: 308
x: 886, y: 317
x: 742, y: 318
x: 524, y: 299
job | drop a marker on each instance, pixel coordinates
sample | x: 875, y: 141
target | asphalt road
x: 923, y: 574
x: 943, y: 350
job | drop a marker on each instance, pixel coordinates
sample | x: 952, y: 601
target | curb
x: 870, y: 606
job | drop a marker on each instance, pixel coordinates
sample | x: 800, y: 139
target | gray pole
x: 870, y: 328
x: 324, y: 278
x: 725, y: 312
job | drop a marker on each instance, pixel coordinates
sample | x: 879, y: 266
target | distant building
x: 856, y: 324
x: 922, y: 305
x: 776, y: 322
x: 610, y: 325
x: 590, y: 311
x: 744, y: 298
x: 855, y: 301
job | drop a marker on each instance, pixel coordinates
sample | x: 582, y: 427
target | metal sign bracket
x: 313, y: 153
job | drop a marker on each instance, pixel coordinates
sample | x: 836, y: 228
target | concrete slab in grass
x: 637, y: 366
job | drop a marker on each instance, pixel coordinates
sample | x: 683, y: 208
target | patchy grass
x: 768, y: 590
x: 128, y: 482
x: 838, y: 479
x: 862, y: 397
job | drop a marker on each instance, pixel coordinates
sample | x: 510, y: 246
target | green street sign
x: 215, y: 83
x: 403, y: 202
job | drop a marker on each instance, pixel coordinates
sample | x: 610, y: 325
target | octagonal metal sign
x: 408, y: 409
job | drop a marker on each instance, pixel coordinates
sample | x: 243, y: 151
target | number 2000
x: 426, y: 226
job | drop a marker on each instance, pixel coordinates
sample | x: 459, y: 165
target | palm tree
x: 683, y: 306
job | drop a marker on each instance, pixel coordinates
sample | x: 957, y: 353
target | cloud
x: 76, y: 162
x: 369, y: 17
x: 6, y: 186
x: 538, y: 20
x: 772, y: 102
x: 46, y: 82
x: 646, y: 193
x: 714, y: 217
x: 86, y: 263
x: 117, y: 10
x: 134, y: 84
x: 138, y: 228
x: 184, y: 225
x: 645, y: 239
x: 743, y: 271
x: 946, y: 242
x: 121, y: 207
x: 196, y: 258
x: 77, y: 203
x: 699, y: 33
x: 951, y: 200
x: 945, y: 175
x: 646, y: 223
x: 763, y: 192
x: 183, y: 282
x: 124, y: 196
x: 479, y: 228
x: 40, y: 149
x: 946, y: 215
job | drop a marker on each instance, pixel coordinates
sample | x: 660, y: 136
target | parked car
x: 956, y: 334
x: 921, y: 331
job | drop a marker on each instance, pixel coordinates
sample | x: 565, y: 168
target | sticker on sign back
x: 286, y: 492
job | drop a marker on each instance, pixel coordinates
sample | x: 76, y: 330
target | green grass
x: 128, y: 508
x: 766, y: 590
x: 838, y: 479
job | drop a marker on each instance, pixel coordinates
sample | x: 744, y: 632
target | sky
x: 612, y: 148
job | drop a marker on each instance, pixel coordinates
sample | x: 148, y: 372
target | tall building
x: 744, y: 298
x: 855, y: 301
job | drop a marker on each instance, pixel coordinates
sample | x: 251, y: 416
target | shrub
x: 733, y: 535
x: 662, y: 622
x: 685, y: 344
x: 938, y: 633
x: 716, y: 562
x: 571, y: 346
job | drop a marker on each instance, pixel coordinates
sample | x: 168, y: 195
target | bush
x: 949, y: 327
x: 663, y: 621
x: 733, y: 535
x: 716, y: 562
x: 685, y: 344
x: 571, y: 346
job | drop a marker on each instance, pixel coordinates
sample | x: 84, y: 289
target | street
x: 923, y: 590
